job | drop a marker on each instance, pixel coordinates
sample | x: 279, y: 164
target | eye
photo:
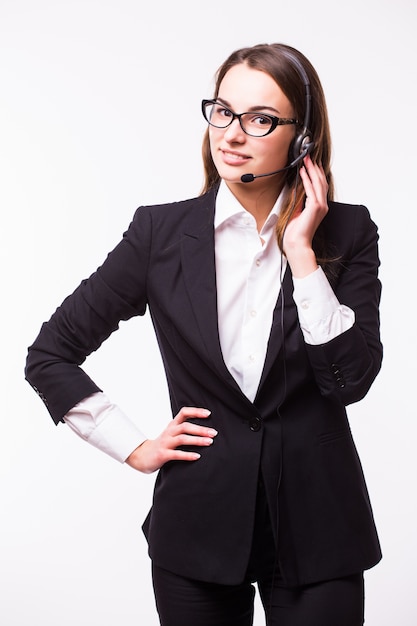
x: 257, y: 120
x: 261, y: 120
x: 222, y: 111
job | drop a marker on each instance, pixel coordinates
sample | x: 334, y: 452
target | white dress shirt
x: 249, y: 269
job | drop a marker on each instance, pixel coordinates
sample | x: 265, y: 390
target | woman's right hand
x: 152, y: 454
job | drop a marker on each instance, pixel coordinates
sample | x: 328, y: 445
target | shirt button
x: 258, y: 262
x: 305, y: 304
x: 251, y: 358
x: 255, y: 424
x: 253, y: 313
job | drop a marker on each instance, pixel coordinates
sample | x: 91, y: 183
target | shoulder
x: 160, y: 225
x: 346, y: 223
x: 341, y: 211
x: 180, y: 210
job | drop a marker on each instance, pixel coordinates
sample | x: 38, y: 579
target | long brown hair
x: 281, y: 63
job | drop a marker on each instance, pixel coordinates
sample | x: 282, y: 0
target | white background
x: 87, y: 88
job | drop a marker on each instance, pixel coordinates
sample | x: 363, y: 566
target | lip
x: 231, y: 157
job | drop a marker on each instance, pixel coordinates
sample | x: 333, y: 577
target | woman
x: 264, y: 296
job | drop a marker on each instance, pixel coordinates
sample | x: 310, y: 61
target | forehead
x: 244, y: 88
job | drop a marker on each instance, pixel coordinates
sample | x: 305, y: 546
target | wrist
x: 136, y: 458
x: 302, y: 261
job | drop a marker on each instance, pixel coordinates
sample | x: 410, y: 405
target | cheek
x: 211, y: 141
x: 281, y: 147
x: 214, y: 142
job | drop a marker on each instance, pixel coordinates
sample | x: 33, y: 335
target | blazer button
x: 40, y: 394
x: 255, y: 424
x: 338, y: 375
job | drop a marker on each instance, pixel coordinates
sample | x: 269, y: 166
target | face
x: 234, y: 152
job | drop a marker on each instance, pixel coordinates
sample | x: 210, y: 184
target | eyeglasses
x: 255, y: 124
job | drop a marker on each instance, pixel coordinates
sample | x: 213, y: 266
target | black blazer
x: 295, y: 432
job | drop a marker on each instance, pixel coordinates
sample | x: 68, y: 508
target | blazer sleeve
x: 115, y: 292
x: 346, y: 366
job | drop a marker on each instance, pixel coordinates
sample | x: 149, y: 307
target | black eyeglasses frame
x: 275, y: 121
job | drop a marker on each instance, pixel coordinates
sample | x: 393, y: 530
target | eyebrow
x: 259, y: 107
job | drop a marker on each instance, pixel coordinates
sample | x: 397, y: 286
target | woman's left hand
x: 298, y: 236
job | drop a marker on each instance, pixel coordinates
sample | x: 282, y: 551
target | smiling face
x: 233, y: 151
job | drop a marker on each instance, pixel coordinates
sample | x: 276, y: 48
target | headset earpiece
x: 302, y: 144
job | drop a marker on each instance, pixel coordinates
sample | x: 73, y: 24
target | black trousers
x: 185, y: 602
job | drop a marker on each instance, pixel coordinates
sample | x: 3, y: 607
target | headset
x: 302, y: 143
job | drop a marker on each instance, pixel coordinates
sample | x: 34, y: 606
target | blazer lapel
x: 198, y: 265
x: 284, y: 313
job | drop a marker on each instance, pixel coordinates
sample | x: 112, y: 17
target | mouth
x: 234, y: 158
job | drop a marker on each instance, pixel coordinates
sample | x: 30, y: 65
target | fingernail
x: 196, y: 455
x: 206, y: 412
x: 211, y: 432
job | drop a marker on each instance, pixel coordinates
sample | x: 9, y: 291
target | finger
x: 308, y: 185
x: 310, y: 164
x: 182, y: 455
x: 315, y: 183
x: 192, y: 429
x: 316, y: 173
x: 191, y: 440
x: 186, y: 412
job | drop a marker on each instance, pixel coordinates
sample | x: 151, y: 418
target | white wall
x: 86, y: 87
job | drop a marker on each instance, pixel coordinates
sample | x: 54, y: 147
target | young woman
x: 264, y: 296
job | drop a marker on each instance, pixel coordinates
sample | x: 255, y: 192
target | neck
x: 257, y: 198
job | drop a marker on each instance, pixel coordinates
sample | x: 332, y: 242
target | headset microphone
x: 308, y: 147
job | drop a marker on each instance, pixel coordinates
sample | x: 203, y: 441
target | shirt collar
x: 227, y: 206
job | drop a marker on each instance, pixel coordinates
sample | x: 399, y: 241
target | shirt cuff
x: 102, y: 424
x: 321, y: 316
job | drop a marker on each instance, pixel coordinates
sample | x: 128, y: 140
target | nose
x: 234, y: 132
